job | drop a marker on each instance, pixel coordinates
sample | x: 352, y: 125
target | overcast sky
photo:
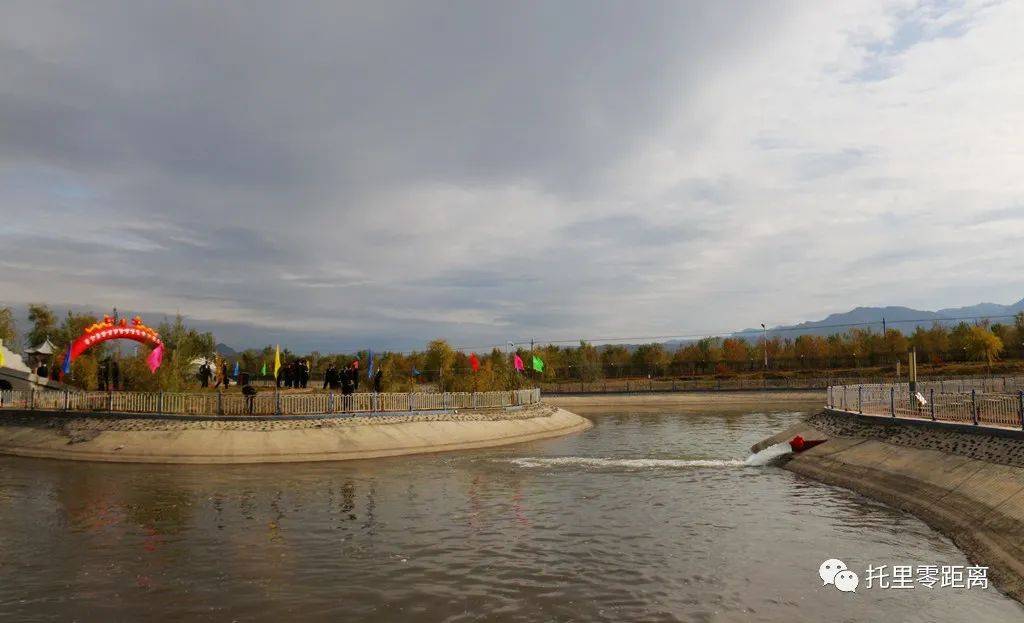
x: 384, y: 173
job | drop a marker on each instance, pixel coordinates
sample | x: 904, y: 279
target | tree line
x: 444, y: 368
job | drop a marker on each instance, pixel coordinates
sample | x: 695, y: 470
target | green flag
x: 263, y: 370
x: 538, y: 364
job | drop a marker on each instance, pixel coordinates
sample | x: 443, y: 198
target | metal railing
x: 609, y: 386
x: 989, y: 402
x: 266, y: 403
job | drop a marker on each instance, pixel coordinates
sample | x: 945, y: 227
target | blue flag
x: 415, y: 372
x: 66, y: 369
x: 236, y: 369
x: 369, y: 367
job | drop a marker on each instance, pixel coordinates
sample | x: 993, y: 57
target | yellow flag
x: 1, y: 353
x: 277, y: 360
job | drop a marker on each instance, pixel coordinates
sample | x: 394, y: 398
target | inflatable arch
x: 110, y: 330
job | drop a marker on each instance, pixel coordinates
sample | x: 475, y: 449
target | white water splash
x: 754, y: 460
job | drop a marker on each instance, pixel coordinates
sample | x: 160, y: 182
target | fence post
x: 110, y: 401
x: 892, y: 401
x: 931, y: 401
x: 277, y: 396
x: 32, y: 398
x: 831, y: 403
x: 974, y: 407
x: 411, y: 395
x: 220, y: 402
x: 474, y: 400
x: 330, y: 402
x: 66, y: 400
x: 160, y: 403
x: 860, y: 399
x: 1020, y: 408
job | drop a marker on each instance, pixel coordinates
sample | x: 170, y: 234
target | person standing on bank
x: 378, y: 378
x: 355, y: 375
x: 331, y: 377
x: 346, y: 380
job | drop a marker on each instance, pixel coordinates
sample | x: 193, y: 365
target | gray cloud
x: 390, y: 172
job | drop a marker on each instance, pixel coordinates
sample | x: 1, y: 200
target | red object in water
x: 799, y: 444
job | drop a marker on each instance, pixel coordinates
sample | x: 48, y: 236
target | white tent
x: 12, y: 360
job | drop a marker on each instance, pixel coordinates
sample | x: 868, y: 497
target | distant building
x: 15, y: 374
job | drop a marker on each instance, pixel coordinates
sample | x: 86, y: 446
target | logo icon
x: 834, y: 571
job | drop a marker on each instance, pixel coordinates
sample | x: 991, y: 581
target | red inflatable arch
x: 109, y: 330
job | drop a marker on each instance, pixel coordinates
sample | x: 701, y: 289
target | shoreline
x: 691, y: 400
x: 212, y: 441
x: 968, y: 486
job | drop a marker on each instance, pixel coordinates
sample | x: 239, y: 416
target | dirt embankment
x: 798, y: 400
x: 967, y: 485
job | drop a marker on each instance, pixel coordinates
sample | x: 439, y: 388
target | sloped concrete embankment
x: 151, y: 440
x: 966, y: 484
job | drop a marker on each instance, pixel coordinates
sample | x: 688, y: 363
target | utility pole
x: 765, y: 329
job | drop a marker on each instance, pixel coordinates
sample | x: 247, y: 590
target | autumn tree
x: 983, y: 345
x: 44, y: 324
x: 8, y: 330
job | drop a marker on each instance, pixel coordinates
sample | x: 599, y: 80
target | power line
x: 806, y: 328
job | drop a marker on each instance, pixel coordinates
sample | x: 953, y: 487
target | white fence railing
x: 952, y: 400
x: 266, y: 403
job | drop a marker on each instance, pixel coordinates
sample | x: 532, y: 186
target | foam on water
x: 761, y: 458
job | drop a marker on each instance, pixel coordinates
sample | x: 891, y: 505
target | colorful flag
x: 1, y: 353
x: 369, y: 367
x: 156, y: 357
x: 474, y: 362
x: 538, y: 364
x: 415, y: 372
x: 263, y: 370
x: 236, y: 369
x: 518, y: 363
x: 66, y: 368
x: 277, y: 360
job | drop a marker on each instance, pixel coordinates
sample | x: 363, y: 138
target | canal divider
x: 302, y: 427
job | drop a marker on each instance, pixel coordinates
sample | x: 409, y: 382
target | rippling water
x: 646, y: 517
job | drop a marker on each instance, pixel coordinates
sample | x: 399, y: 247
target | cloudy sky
x: 383, y: 173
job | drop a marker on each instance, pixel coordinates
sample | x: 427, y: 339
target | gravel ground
x: 84, y: 427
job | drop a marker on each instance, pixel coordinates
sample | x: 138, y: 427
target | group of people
x: 294, y: 374
x: 206, y: 373
x: 346, y: 379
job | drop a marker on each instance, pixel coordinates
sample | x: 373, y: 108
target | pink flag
x: 155, y: 358
x: 518, y: 362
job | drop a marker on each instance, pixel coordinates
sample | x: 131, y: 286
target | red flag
x: 474, y: 362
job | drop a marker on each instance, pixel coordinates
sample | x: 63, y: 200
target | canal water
x: 649, y: 516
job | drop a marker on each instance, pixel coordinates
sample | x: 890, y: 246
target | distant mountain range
x: 243, y: 336
x: 225, y: 351
x: 905, y: 319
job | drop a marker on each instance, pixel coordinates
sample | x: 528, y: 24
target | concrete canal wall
x: 965, y: 482
x: 124, y: 438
